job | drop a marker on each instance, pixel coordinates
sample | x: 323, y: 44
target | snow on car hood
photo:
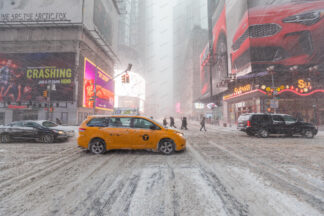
x: 62, y: 128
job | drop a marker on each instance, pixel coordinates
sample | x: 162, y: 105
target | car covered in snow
x: 262, y: 125
x: 102, y: 133
x: 42, y: 131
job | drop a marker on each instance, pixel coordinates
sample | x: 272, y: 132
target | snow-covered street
x: 222, y: 172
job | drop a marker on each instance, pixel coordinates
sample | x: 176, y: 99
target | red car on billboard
x: 282, y: 35
x: 219, y: 49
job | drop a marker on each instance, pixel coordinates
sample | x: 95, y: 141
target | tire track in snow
x: 283, y: 179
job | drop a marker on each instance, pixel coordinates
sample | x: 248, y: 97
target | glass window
x: 289, y: 119
x: 49, y: 124
x: 31, y: 124
x: 244, y: 118
x: 98, y: 122
x: 142, y: 123
x: 277, y: 118
x: 119, y: 122
x: 16, y: 124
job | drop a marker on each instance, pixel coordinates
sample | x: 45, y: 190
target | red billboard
x: 286, y: 34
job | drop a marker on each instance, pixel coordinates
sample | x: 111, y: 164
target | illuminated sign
x: 199, y: 106
x: 29, y: 75
x: 242, y: 89
x: 302, y: 84
x: 94, y: 76
x: 301, y: 88
x: 238, y: 91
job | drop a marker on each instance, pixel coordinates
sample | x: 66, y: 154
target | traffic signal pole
x: 211, y: 51
x: 129, y: 67
x: 95, y: 91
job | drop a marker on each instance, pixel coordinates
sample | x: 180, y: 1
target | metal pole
x: 211, y: 53
x: 274, y: 90
x: 95, y: 90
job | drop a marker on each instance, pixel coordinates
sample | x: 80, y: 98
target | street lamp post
x: 211, y: 51
x: 270, y: 69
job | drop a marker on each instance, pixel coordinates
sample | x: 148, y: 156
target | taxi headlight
x: 180, y: 134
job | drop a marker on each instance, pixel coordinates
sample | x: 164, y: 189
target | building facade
x: 53, y: 54
x: 189, y: 37
x: 269, y: 60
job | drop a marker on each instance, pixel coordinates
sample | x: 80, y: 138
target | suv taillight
x: 248, y: 124
x: 82, y: 129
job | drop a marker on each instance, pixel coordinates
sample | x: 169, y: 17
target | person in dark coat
x: 203, y: 124
x: 172, y: 124
x: 165, y: 123
x: 58, y: 121
x: 184, y: 123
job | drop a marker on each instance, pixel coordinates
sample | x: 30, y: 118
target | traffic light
x: 123, y: 78
x: 127, y: 78
x: 45, y: 93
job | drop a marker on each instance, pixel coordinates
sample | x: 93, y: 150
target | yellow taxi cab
x: 102, y: 133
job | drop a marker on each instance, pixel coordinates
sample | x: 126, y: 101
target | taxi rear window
x: 98, y: 122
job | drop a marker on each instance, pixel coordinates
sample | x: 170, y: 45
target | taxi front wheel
x: 166, y: 146
x: 98, y: 146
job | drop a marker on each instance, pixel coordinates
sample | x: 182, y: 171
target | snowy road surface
x: 222, y: 172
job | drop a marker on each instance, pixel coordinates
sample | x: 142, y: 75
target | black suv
x: 262, y: 125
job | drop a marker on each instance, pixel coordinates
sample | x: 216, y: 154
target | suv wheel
x: 5, y: 138
x: 250, y: 133
x: 308, y: 133
x: 263, y: 133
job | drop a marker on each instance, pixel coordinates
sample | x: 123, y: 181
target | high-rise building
x: 53, y: 54
x: 189, y: 38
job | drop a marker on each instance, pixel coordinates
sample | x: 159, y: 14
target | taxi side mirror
x: 153, y: 127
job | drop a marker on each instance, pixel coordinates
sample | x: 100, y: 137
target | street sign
x: 274, y: 104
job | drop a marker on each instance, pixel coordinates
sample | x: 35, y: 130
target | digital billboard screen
x: 24, y: 77
x: 286, y: 34
x: 94, y: 76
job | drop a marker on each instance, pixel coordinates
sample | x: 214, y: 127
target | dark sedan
x: 31, y: 130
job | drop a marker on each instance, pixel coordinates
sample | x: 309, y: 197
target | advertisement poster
x: 220, y: 61
x: 40, y: 11
x: 24, y: 77
x: 102, y: 20
x: 204, y: 72
x: 286, y: 34
x: 94, y: 76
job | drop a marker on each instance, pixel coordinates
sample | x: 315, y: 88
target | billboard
x: 24, y: 77
x: 102, y: 20
x: 40, y: 11
x: 94, y: 77
x: 219, y: 60
x: 286, y: 34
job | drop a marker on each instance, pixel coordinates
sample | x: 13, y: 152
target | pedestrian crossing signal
x: 127, y: 78
x: 45, y: 93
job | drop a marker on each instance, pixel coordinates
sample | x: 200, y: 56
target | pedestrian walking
x: 165, y: 123
x: 203, y: 124
x: 58, y: 121
x: 184, y: 123
x: 172, y: 124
